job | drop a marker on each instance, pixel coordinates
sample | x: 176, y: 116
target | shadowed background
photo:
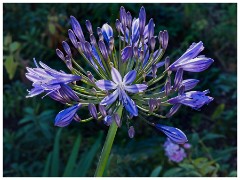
x: 32, y: 146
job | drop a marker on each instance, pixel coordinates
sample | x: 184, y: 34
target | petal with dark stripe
x: 129, y: 77
x: 110, y: 98
x: 65, y: 116
x: 116, y: 76
x: 136, y: 88
x: 174, y: 134
x: 106, y: 85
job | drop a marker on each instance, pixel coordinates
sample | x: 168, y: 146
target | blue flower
x: 189, y: 61
x: 194, y: 99
x: 120, y: 86
x: 174, y: 134
x: 66, y: 116
x: 47, y: 79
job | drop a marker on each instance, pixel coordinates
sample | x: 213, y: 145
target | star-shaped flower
x: 121, y: 86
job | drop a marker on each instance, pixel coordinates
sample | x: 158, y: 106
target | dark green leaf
x: 73, y: 158
x: 156, y: 171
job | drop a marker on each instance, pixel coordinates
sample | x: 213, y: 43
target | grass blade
x: 47, y: 165
x: 73, y: 158
x: 55, y: 155
x: 87, y: 158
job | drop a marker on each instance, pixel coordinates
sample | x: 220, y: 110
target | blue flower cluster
x: 134, y: 76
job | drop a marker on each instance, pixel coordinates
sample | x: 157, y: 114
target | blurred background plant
x: 34, y: 147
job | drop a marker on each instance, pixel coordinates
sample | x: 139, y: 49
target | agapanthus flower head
x: 132, y: 75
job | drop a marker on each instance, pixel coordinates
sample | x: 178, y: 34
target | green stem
x: 107, y: 146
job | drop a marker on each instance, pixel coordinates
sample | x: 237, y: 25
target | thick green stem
x: 107, y: 146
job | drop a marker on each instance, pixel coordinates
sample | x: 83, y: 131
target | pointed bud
x: 163, y: 39
x: 102, y: 110
x: 117, y: 119
x: 142, y: 20
x: 108, y: 120
x: 89, y: 26
x: 65, y: 116
x: 67, y: 48
x: 152, y: 43
x: 129, y: 20
x: 118, y: 26
x: 93, y: 40
x: 131, y: 132
x: 167, y: 62
x: 93, y: 110
x: 178, y: 78
x: 167, y: 88
x: 68, y: 62
x: 123, y: 17
x: 103, y: 49
x: 150, y: 29
x: 174, y: 134
x: 77, y: 28
x: 154, y: 70
x: 73, y: 38
x: 60, y: 54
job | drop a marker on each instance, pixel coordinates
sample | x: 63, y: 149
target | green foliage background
x: 34, y: 147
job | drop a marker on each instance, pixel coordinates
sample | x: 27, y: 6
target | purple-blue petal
x: 174, y: 134
x: 108, y: 120
x: 136, y: 88
x: 107, y: 32
x: 65, y: 116
x: 128, y: 103
x: 129, y: 77
x: 189, y: 83
x: 116, y: 76
x: 110, y: 98
x: 77, y: 28
x: 127, y: 53
x: 106, y: 85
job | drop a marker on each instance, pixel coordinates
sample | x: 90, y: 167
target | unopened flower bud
x: 60, y: 54
x: 89, y: 26
x: 73, y: 38
x: 102, y: 110
x: 93, y: 40
x: 154, y: 70
x: 118, y: 26
x: 129, y: 20
x: 131, y: 132
x: 152, y: 43
x: 66, y: 48
x: 68, y: 62
x: 117, y: 119
x: 93, y: 110
x: 178, y: 78
x: 108, y: 120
